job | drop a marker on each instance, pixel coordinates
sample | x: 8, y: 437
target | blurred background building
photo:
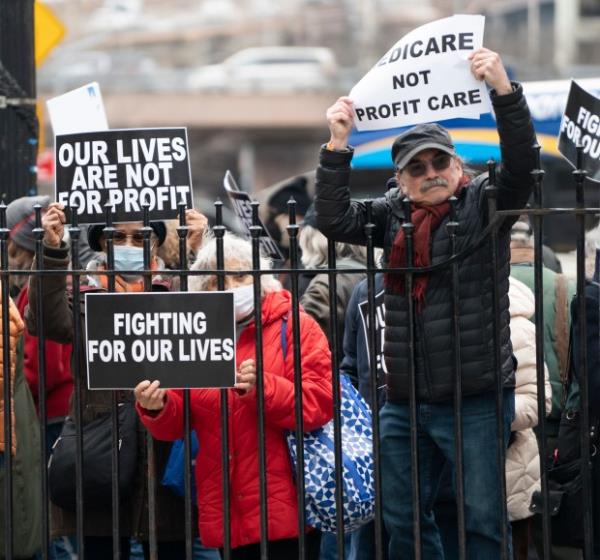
x: 251, y: 79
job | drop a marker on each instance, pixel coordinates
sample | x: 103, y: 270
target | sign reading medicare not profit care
x: 125, y: 169
x: 184, y: 340
x: 580, y: 126
x: 424, y: 77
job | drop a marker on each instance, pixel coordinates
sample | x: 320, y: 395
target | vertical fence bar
x: 373, y: 352
x: 219, y: 231
x: 74, y: 234
x: 108, y: 233
x: 292, y: 230
x: 452, y: 228
x: 150, y: 447
x: 41, y: 347
x: 491, y: 193
x: 538, y: 236
x: 579, y: 175
x: 38, y: 233
x: 6, y: 387
x: 408, y: 228
x: 337, y: 398
x: 255, y: 232
x: 182, y: 232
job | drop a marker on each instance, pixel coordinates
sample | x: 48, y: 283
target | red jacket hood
x: 276, y: 305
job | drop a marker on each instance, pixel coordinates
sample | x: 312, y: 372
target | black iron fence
x: 293, y: 271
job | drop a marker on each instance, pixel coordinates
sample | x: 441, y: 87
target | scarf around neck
x: 426, y: 219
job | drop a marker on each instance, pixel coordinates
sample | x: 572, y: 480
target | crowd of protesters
x: 428, y: 172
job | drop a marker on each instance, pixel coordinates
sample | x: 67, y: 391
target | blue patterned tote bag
x: 357, y: 462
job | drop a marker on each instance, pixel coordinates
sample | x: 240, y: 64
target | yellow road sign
x: 49, y: 31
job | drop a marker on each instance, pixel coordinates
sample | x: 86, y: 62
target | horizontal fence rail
x: 121, y: 526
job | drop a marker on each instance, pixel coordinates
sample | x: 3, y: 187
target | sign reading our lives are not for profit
x: 184, y: 340
x: 424, y: 77
x: 126, y: 170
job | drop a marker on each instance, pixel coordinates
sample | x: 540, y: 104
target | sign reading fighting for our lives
x: 242, y: 204
x: 580, y: 126
x: 185, y: 340
x: 125, y: 169
x: 363, y: 308
x: 424, y: 77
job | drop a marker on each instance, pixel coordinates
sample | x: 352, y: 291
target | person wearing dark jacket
x: 592, y: 320
x: 315, y: 299
x: 58, y: 326
x: 357, y: 355
x: 428, y: 173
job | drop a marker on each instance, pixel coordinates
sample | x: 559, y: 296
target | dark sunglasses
x: 120, y: 237
x: 419, y: 168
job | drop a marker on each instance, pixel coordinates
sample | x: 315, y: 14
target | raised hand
x: 487, y: 65
x: 197, y: 224
x: 340, y: 117
x: 53, y: 222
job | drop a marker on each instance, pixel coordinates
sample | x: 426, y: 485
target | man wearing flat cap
x: 428, y: 172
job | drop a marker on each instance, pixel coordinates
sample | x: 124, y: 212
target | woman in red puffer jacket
x: 162, y: 412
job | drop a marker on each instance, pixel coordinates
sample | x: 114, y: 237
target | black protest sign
x: 580, y: 126
x: 363, y: 308
x: 242, y: 204
x: 125, y: 169
x: 184, y: 340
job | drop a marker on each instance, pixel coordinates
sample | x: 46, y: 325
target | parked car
x: 125, y: 70
x: 269, y: 69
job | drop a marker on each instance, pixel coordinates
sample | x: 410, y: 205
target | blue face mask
x: 129, y: 258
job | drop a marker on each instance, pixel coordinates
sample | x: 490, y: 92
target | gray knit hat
x: 20, y: 219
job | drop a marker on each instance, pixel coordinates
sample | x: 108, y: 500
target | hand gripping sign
x: 580, y: 126
x: 424, y: 77
x: 126, y: 170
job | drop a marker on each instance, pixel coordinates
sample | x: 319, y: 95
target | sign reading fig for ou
x: 580, y: 126
x: 185, y: 340
x: 125, y: 169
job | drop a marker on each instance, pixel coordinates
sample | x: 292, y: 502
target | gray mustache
x: 437, y: 182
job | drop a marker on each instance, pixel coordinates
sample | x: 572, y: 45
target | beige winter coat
x: 522, y: 456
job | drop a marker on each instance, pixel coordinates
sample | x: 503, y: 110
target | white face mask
x: 243, y: 301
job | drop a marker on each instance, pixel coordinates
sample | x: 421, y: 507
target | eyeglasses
x: 120, y: 238
x: 419, y: 168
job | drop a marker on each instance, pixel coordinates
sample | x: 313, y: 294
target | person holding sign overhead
x: 161, y: 411
x: 58, y: 326
x: 427, y: 173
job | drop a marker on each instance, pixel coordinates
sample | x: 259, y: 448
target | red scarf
x: 425, y: 219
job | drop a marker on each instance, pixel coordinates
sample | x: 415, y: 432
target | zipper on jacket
x: 423, y: 345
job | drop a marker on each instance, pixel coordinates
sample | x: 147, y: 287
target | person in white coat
x: 522, y: 456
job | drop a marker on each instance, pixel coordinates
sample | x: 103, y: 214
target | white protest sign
x: 424, y: 77
x: 79, y: 110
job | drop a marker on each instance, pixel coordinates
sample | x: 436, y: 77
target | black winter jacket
x: 341, y: 218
